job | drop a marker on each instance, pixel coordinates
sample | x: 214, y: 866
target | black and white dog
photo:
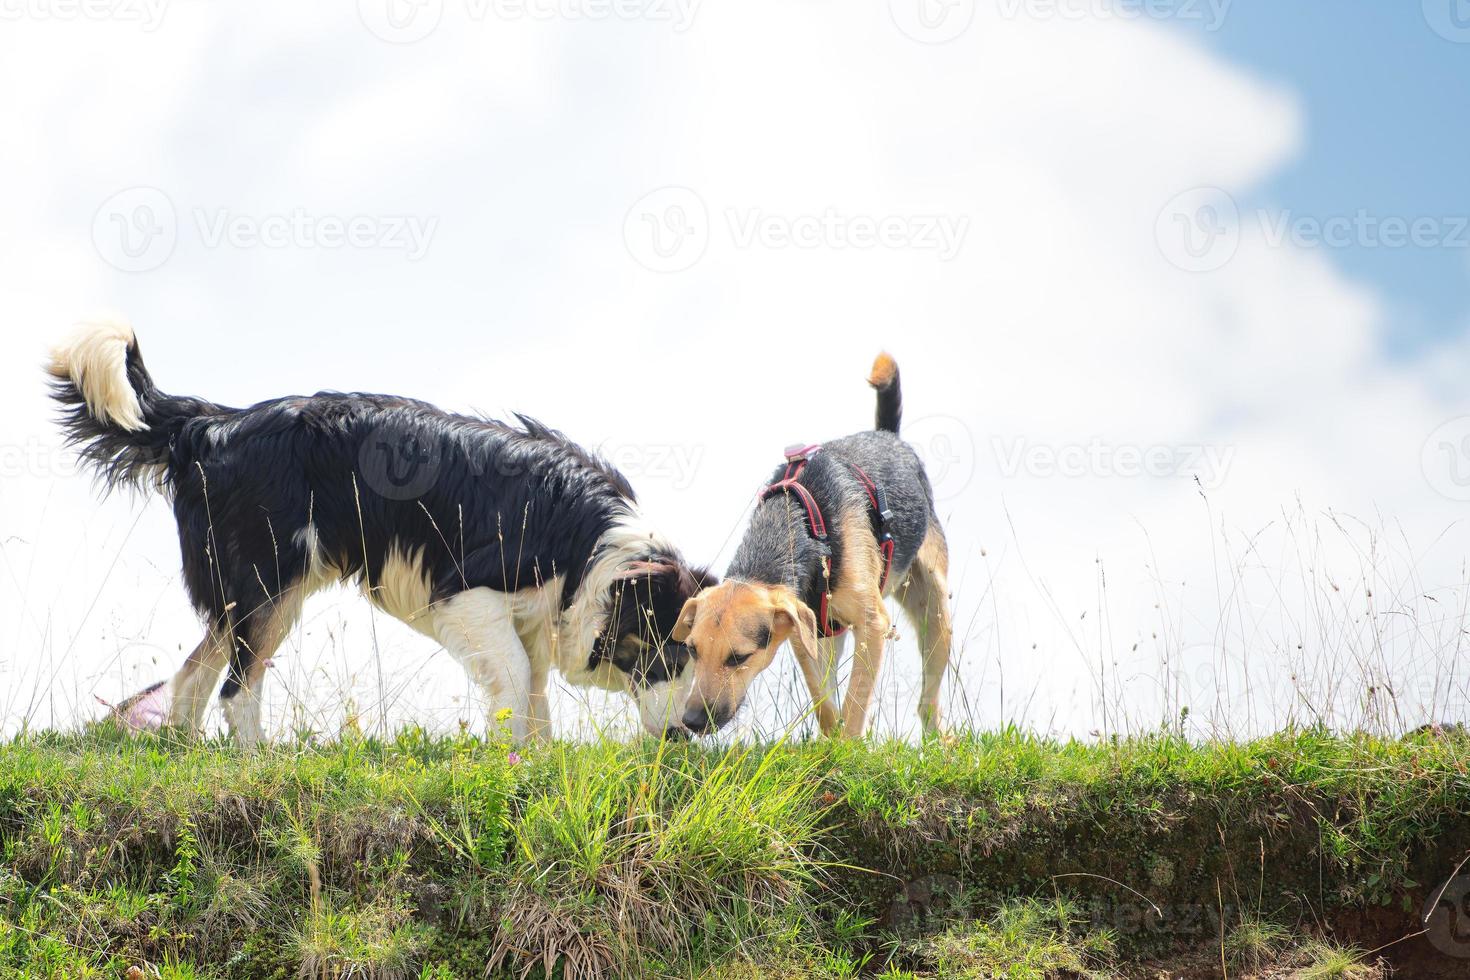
x: 513, y: 547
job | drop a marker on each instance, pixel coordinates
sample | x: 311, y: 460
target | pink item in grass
x: 145, y: 711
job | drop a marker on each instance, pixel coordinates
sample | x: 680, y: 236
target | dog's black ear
x: 647, y: 569
x: 683, y: 580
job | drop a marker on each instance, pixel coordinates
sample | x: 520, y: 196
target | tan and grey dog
x: 842, y: 526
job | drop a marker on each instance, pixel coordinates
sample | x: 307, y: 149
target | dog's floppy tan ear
x: 795, y: 620
x: 685, y: 625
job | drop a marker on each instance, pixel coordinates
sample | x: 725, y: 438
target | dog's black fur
x: 340, y: 480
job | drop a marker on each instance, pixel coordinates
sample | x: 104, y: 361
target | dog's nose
x: 699, y: 720
x: 675, y: 734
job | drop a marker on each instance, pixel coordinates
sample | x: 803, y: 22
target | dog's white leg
x: 535, y: 619
x: 538, y: 714
x: 191, y: 687
x: 242, y: 713
x: 477, y: 627
x: 536, y: 640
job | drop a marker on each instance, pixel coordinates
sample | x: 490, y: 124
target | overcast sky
x: 1185, y: 454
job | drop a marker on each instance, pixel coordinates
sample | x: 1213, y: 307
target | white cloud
x: 1060, y: 321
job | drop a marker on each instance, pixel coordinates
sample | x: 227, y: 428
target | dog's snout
x: 699, y: 719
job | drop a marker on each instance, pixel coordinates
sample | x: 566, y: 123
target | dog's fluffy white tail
x: 119, y: 422
x: 95, y: 361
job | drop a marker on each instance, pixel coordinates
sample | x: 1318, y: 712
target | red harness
x: 796, y: 460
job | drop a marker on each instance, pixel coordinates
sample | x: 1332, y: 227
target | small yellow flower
x: 503, y: 715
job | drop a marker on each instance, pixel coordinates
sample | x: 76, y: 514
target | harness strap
x: 796, y: 459
x: 814, y: 518
x: 885, y: 521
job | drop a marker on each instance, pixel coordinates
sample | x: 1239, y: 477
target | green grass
x: 1029, y: 939
x: 1255, y: 943
x: 985, y: 855
x: 1326, y: 961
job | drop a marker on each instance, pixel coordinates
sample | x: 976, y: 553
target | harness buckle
x: 799, y: 452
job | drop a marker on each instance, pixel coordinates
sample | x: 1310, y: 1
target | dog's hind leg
x: 257, y: 637
x: 869, y: 644
x: 925, y: 599
x: 478, y: 629
x: 190, y: 688
x: 858, y: 600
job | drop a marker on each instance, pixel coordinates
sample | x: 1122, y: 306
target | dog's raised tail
x: 110, y: 405
x: 884, y: 379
